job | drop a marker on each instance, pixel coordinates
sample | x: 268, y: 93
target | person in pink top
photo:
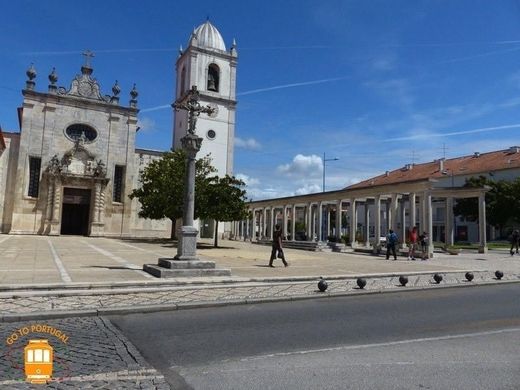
x: 413, y: 237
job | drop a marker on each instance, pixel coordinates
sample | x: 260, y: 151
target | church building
x: 74, y: 162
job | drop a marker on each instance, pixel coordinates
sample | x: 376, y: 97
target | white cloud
x: 249, y: 143
x: 250, y: 181
x: 303, y: 166
x: 308, y: 189
x: 146, y: 124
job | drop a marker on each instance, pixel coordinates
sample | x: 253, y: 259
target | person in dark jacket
x: 391, y: 242
x: 276, y: 249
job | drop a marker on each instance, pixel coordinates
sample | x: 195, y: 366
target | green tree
x: 502, y: 202
x: 223, y: 200
x: 161, y: 190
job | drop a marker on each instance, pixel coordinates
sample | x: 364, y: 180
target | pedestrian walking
x: 391, y: 242
x: 423, y: 240
x: 413, y: 237
x: 276, y: 249
x: 515, y: 239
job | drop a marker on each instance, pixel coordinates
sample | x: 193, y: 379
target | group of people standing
x: 415, y: 240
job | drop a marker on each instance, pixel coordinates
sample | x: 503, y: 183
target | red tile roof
x: 466, y: 165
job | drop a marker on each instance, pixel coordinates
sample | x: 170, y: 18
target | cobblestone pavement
x: 51, y: 303
x: 95, y: 356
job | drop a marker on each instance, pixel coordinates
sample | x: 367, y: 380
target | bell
x: 211, y: 85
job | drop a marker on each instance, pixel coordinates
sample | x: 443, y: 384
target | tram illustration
x: 38, y: 357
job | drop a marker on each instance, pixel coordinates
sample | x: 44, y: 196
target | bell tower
x: 207, y: 64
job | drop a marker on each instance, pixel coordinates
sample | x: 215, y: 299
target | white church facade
x: 74, y: 162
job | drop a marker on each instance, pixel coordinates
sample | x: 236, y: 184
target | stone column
x: 367, y: 224
x: 284, y: 220
x: 482, y: 223
x: 293, y: 223
x: 320, y: 221
x: 404, y: 232
x: 309, y: 222
x: 353, y: 222
x: 253, y: 227
x: 327, y: 232
x: 427, y: 217
x: 377, y: 228
x: 263, y: 225
x: 413, y: 219
x: 338, y: 220
x: 449, y: 231
x: 394, y: 207
x: 273, y: 222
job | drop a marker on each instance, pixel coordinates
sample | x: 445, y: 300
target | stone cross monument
x: 191, y: 143
x: 186, y: 263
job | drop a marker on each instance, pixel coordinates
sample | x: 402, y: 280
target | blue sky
x: 376, y: 84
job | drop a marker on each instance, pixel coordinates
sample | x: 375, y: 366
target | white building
x: 207, y: 65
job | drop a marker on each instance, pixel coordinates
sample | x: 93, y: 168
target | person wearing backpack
x: 391, y: 242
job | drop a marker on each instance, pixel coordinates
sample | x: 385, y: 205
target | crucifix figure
x: 88, y: 55
x: 194, y: 108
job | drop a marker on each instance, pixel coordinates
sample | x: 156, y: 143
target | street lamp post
x: 191, y: 143
x: 324, y: 161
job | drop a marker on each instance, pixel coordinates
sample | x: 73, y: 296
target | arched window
x: 183, y: 80
x: 213, y: 77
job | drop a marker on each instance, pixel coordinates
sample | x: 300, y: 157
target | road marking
x: 387, y: 344
x: 2, y: 240
x: 63, y: 272
x: 120, y: 260
x: 140, y: 249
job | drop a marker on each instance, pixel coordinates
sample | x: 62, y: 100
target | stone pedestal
x: 187, y: 249
x: 185, y: 263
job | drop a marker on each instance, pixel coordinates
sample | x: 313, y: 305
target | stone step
x: 168, y: 262
x: 162, y: 272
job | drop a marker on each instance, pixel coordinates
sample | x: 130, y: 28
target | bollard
x: 499, y: 274
x: 403, y: 280
x: 437, y: 278
x: 469, y: 276
x: 322, y: 285
x: 361, y: 283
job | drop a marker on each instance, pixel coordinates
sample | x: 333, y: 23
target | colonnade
x: 367, y: 217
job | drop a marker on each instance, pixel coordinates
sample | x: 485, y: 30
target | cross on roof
x: 88, y: 54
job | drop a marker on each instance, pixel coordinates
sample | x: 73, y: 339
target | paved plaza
x: 49, y: 277
x: 73, y: 283
x: 68, y: 260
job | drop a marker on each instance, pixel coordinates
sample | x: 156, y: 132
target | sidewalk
x: 53, y: 277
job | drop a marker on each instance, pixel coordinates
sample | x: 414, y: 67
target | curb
x: 16, y: 317
x: 101, y: 288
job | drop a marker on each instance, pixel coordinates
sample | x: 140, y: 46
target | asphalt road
x: 450, y: 338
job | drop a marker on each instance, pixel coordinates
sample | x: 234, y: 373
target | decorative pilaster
x: 56, y: 205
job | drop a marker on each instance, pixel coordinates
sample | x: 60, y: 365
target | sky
x: 371, y: 85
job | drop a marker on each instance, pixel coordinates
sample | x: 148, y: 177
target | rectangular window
x: 119, y: 175
x: 34, y: 176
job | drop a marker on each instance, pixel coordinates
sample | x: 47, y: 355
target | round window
x: 211, y: 134
x: 80, y: 131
